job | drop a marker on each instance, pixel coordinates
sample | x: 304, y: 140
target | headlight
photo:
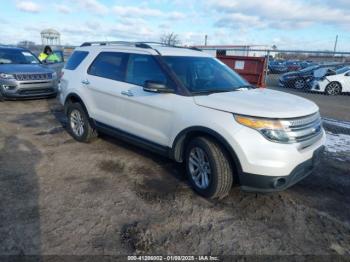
x: 54, y: 75
x: 6, y: 76
x: 271, y: 129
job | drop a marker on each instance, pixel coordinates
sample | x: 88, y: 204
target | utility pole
x: 335, y: 44
x: 206, y: 40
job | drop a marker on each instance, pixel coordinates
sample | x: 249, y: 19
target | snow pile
x: 337, y: 143
x: 334, y: 122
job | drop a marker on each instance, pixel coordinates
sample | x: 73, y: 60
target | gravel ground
x: 58, y: 196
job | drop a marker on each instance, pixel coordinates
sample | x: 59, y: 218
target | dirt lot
x: 58, y: 196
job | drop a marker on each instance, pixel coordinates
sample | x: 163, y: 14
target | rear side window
x: 76, y: 58
x: 111, y: 65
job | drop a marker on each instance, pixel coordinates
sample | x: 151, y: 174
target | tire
x: 220, y: 178
x: 333, y: 89
x: 79, y: 125
x: 300, y: 84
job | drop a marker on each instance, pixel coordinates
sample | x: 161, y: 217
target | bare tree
x: 170, y: 39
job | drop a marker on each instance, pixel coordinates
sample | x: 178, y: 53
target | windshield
x: 15, y: 56
x: 205, y: 74
x: 310, y: 68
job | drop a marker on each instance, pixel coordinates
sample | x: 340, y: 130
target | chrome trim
x: 33, y: 76
x: 304, y: 130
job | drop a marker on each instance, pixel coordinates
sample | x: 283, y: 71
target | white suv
x: 187, y: 105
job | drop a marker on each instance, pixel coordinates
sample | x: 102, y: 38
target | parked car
x: 277, y: 67
x: 334, y: 82
x: 189, y: 106
x: 302, y: 79
x: 23, y: 76
x: 293, y: 66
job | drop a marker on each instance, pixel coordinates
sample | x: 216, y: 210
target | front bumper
x: 28, y: 89
x: 261, y: 183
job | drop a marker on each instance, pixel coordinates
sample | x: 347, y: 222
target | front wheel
x: 333, y: 89
x: 208, y: 168
x: 79, y: 125
x: 300, y: 83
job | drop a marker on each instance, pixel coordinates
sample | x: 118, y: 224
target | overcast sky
x: 298, y: 24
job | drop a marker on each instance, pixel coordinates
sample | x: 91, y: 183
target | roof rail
x: 136, y: 44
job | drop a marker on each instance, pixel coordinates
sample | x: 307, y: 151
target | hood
x: 21, y: 68
x: 298, y: 73
x: 259, y: 102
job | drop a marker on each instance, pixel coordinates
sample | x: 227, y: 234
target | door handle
x: 85, y: 82
x: 127, y: 93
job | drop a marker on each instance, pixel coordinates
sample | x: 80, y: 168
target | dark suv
x: 23, y: 76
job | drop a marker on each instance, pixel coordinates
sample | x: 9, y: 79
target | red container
x: 250, y: 68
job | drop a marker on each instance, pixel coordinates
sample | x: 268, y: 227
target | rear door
x: 104, y: 84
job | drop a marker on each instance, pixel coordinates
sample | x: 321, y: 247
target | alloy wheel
x: 333, y: 89
x: 299, y: 84
x: 77, y: 123
x: 199, y: 167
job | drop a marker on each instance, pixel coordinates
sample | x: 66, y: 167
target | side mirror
x: 347, y: 74
x: 156, y: 87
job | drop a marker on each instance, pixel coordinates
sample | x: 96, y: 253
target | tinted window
x: 204, y: 74
x: 142, y: 68
x: 109, y: 65
x: 75, y: 59
x: 17, y: 56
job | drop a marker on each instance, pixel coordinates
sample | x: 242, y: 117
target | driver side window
x: 143, y: 68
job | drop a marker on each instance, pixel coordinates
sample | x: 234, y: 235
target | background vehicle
x: 293, y: 66
x: 191, y: 107
x: 334, y: 82
x: 23, y: 76
x: 302, y: 79
x: 277, y: 67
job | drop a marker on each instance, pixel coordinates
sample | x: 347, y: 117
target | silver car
x: 22, y: 75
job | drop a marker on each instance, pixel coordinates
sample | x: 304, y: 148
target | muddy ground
x: 58, y: 196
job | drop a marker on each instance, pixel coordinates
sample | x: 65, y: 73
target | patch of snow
x: 337, y: 143
x: 335, y: 122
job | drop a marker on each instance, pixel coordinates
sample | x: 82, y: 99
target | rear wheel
x: 208, y: 168
x: 333, y: 89
x: 299, y: 84
x: 79, y: 125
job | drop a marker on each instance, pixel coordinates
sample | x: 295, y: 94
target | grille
x: 33, y: 77
x: 35, y: 91
x: 305, y: 129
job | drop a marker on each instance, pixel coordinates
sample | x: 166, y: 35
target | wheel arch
x: 74, y: 98
x: 179, y: 145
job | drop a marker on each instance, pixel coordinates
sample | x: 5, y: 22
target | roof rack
x: 135, y: 44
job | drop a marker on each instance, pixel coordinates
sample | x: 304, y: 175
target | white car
x: 190, y: 107
x: 333, y: 84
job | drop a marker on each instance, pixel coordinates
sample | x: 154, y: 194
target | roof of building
x: 50, y: 31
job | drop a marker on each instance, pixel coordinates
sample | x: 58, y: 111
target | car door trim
x: 133, y: 139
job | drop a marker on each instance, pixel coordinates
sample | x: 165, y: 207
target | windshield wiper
x: 212, y: 91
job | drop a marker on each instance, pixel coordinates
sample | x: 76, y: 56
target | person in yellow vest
x: 48, y: 56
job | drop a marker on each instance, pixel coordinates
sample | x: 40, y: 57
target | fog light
x: 8, y: 88
x: 280, y: 182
